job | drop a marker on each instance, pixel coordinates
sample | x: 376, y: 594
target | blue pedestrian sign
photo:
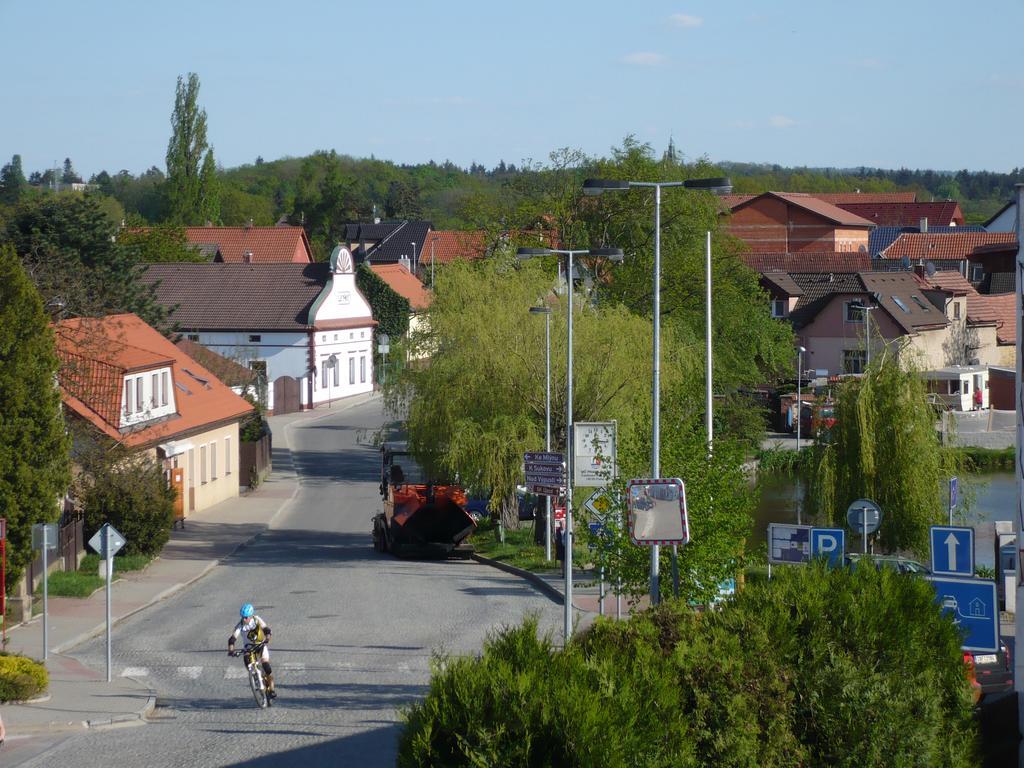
x: 829, y: 543
x: 952, y: 550
x: 972, y: 604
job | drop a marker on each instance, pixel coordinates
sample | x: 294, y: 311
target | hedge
x: 21, y: 678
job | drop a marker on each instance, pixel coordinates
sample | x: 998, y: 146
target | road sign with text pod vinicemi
x: 545, y: 472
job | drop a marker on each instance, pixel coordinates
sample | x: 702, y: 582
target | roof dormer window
x: 147, y: 396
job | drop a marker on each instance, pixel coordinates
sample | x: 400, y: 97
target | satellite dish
x: 929, y: 268
x: 905, y: 262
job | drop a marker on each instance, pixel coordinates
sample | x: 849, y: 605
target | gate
x: 286, y: 395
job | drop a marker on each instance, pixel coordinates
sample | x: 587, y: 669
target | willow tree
x: 885, y: 447
x: 478, y: 404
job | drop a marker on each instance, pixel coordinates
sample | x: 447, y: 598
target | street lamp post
x: 799, y: 411
x: 866, y: 309
x: 597, y: 187
x: 546, y: 311
x: 415, y: 266
x: 615, y: 255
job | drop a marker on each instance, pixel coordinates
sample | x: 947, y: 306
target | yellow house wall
x: 216, y: 487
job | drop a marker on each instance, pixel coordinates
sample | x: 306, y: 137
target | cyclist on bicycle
x: 257, y: 634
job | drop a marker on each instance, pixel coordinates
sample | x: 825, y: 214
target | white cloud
x: 645, y: 59
x: 781, y: 121
x: 686, y: 21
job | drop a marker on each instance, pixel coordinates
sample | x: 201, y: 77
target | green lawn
x: 86, y: 579
x: 519, y: 549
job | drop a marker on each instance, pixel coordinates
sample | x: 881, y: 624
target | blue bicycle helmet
x: 247, y: 611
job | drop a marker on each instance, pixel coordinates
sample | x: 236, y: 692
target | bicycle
x: 257, y: 682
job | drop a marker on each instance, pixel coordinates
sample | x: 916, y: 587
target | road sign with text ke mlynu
x: 952, y: 550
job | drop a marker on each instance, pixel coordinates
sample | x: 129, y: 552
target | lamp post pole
x: 546, y: 311
x: 799, y: 410
x: 614, y: 254
x: 867, y: 332
x: 597, y: 187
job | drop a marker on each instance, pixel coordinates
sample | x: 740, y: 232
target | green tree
x: 209, y: 190
x: 884, y: 446
x: 162, y: 243
x: 69, y: 176
x: 190, y: 188
x: 34, y: 467
x: 12, y: 181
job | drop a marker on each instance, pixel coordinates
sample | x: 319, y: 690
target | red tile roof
x: 837, y: 198
x: 818, y: 207
x: 998, y: 308
x: 940, y: 214
x: 953, y: 282
x: 267, y: 244
x: 823, y: 261
x: 95, y: 355
x: 225, y: 369
x: 946, y: 245
x: 448, y: 245
x: 404, y: 283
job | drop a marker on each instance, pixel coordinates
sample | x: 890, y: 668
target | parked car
x: 990, y: 673
x: 896, y: 562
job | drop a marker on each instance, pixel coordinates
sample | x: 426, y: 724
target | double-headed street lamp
x: 615, y: 255
x: 546, y: 311
x: 718, y: 186
x: 799, y: 413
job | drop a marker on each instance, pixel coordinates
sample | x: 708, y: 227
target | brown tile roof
x: 448, y: 245
x: 95, y: 354
x: 997, y: 308
x: 819, y: 288
x: 280, y: 244
x: 254, y: 297
x: 225, y: 369
x: 404, y: 283
x: 782, y: 283
x: 899, y: 293
x: 816, y: 206
x: 941, y: 214
x: 818, y: 261
x: 836, y: 198
x: 946, y: 245
x: 952, y: 282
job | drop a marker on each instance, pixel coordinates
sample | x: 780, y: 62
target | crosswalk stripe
x: 135, y: 672
x: 192, y: 673
x: 235, y: 672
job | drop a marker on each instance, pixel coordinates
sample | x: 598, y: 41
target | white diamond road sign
x: 99, y: 541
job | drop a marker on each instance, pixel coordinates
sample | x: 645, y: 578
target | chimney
x: 247, y: 257
x: 923, y: 225
x: 919, y: 268
x: 405, y: 262
x: 376, y: 218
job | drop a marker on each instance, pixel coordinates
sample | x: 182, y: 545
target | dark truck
x: 420, y: 518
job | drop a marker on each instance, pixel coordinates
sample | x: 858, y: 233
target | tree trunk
x: 509, y: 512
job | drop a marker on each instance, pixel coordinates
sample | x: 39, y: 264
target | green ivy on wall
x: 390, y: 309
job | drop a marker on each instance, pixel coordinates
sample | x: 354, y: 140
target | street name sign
x: 99, y: 541
x: 829, y: 543
x: 952, y: 550
x: 657, y: 511
x: 972, y: 604
x: 594, y: 453
x: 789, y: 543
x: 545, y: 472
x: 44, y: 535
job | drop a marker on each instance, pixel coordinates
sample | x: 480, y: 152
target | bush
x: 21, y: 678
x: 814, y: 667
x: 133, y: 497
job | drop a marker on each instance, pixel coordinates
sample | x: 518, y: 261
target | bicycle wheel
x: 259, y: 691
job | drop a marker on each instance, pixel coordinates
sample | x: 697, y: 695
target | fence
x: 254, y: 461
x: 70, y: 543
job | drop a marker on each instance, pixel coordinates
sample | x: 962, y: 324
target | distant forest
x: 324, y: 188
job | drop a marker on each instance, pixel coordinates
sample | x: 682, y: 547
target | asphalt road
x: 353, y: 631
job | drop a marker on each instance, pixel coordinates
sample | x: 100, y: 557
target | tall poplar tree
x: 190, y: 168
x: 34, y: 466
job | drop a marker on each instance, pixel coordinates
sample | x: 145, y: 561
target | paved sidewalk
x: 80, y: 697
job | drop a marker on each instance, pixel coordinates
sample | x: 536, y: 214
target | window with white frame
x: 854, y: 312
x: 129, y: 402
x: 227, y: 455
x: 351, y: 370
x: 213, y: 460
x: 139, y: 396
x: 336, y: 374
x: 165, y: 380
x: 155, y: 393
x: 854, y: 360
x: 362, y: 369
x: 956, y: 310
x: 323, y: 375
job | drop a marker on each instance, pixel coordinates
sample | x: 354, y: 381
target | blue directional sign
x: 972, y: 604
x: 789, y: 543
x: 954, y: 492
x: 952, y: 550
x: 829, y: 543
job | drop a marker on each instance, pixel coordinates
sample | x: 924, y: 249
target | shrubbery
x: 21, y: 678
x: 133, y: 497
x: 815, y: 667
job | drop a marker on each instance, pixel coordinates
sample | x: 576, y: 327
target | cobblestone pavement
x: 353, y: 631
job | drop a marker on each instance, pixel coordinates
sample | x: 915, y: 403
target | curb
x: 541, y: 585
x: 137, y: 718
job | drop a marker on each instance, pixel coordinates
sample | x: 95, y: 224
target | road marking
x: 344, y: 665
x: 295, y: 668
x: 192, y: 673
x: 235, y: 672
x: 135, y: 672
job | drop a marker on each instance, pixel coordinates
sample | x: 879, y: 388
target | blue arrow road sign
x: 829, y: 543
x: 952, y: 550
x: 972, y: 604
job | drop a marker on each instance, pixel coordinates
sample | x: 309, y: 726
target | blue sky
x: 898, y: 83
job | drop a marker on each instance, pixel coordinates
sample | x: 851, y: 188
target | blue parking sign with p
x: 829, y: 543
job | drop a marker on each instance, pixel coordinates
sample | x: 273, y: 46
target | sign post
x: 954, y: 487
x: 106, y: 542
x: 3, y: 577
x: 864, y: 516
x: 44, y: 537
